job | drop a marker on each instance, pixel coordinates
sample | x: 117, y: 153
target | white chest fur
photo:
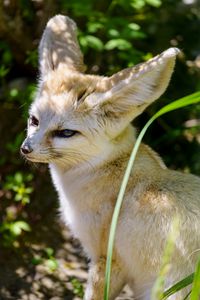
x: 82, y: 207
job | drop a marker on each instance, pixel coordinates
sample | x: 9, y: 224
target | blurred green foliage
x: 78, y: 289
x: 46, y: 257
x: 17, y: 184
x: 113, y: 35
x: 17, y: 188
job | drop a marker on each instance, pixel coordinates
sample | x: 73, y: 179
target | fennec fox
x: 80, y: 125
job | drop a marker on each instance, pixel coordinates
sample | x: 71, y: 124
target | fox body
x: 80, y: 125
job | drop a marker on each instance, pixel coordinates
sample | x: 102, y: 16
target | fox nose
x: 26, y: 148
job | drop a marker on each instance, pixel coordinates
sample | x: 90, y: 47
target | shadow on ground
x: 25, y: 272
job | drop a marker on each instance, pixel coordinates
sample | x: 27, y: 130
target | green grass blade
x: 178, y: 286
x: 187, y: 296
x: 185, y: 101
x: 195, y: 293
x: 158, y: 288
x: 188, y: 100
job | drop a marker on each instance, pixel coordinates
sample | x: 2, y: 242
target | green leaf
x: 155, y: 3
x: 18, y: 197
x: 137, y: 4
x: 18, y: 177
x: 21, y: 190
x: 134, y: 26
x: 25, y: 200
x: 113, y: 32
x: 52, y: 264
x: 94, y: 26
x: 49, y: 251
x: 77, y: 287
x: 3, y: 71
x: 120, y: 44
x: 32, y: 58
x: 36, y: 260
x: 91, y: 42
x: 29, y: 190
x: 17, y: 227
x: 14, y: 92
x: 29, y: 177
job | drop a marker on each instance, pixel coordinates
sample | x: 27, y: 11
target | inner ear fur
x: 131, y: 90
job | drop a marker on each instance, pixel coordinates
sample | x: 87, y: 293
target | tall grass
x: 158, y: 288
x: 185, y: 101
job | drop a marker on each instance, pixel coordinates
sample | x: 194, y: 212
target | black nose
x: 26, y: 149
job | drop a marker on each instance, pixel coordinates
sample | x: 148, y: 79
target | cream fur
x: 88, y: 167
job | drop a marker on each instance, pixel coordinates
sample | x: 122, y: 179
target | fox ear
x: 59, y: 46
x: 129, y: 92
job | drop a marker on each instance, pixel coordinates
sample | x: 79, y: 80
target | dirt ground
x: 24, y: 271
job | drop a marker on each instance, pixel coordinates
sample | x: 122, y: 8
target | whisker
x: 63, y: 156
x: 192, y: 253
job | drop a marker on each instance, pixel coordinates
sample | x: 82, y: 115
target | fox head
x: 76, y: 117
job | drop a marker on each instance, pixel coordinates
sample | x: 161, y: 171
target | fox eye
x: 65, y: 133
x: 33, y: 121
